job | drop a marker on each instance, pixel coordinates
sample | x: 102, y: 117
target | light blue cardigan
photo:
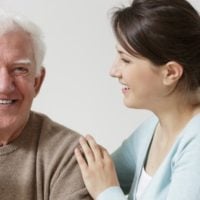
x: 178, y: 177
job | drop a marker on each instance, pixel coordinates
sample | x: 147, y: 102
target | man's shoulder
x: 56, y: 162
x: 52, y: 133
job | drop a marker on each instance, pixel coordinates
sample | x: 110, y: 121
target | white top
x: 143, y: 183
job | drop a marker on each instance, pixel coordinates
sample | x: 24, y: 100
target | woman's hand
x: 96, y: 166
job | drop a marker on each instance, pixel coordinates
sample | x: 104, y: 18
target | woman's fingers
x: 91, y: 153
x: 80, y: 159
x: 87, y: 151
x: 94, y: 147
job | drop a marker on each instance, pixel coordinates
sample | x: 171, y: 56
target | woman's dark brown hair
x: 162, y: 31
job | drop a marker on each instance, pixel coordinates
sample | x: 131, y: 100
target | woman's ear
x: 39, y: 80
x: 172, y: 72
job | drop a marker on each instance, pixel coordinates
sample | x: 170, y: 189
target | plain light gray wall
x: 78, y: 91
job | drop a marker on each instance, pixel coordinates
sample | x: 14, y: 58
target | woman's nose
x: 115, y: 70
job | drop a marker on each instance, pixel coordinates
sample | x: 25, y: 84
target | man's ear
x: 39, y: 80
x: 172, y: 72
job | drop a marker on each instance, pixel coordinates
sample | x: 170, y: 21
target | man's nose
x: 6, y: 81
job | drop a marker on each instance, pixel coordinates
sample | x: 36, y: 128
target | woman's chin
x: 128, y: 104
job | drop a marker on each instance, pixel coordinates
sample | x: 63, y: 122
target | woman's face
x: 140, y: 79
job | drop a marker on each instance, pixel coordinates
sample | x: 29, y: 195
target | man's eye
x: 20, y: 70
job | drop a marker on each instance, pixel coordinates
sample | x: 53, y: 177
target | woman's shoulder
x: 145, y: 130
x: 188, y: 141
x: 191, y: 132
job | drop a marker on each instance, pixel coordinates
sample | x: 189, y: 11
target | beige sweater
x: 40, y: 164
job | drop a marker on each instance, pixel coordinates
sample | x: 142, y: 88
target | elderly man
x: 36, y: 154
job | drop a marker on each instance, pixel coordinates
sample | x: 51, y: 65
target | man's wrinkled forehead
x: 16, y: 47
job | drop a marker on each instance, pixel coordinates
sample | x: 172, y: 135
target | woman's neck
x: 174, y: 115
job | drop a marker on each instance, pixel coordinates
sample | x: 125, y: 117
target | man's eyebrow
x: 23, y: 61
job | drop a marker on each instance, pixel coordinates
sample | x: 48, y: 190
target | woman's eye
x: 125, y: 60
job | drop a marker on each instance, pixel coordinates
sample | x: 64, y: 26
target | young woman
x: 158, y: 65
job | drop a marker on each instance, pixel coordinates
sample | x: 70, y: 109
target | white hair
x: 11, y: 21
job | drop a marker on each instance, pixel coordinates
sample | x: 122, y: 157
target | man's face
x: 18, y: 81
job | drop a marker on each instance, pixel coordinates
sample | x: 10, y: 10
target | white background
x: 78, y: 91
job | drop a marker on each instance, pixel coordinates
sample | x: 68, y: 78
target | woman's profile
x: 158, y: 66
